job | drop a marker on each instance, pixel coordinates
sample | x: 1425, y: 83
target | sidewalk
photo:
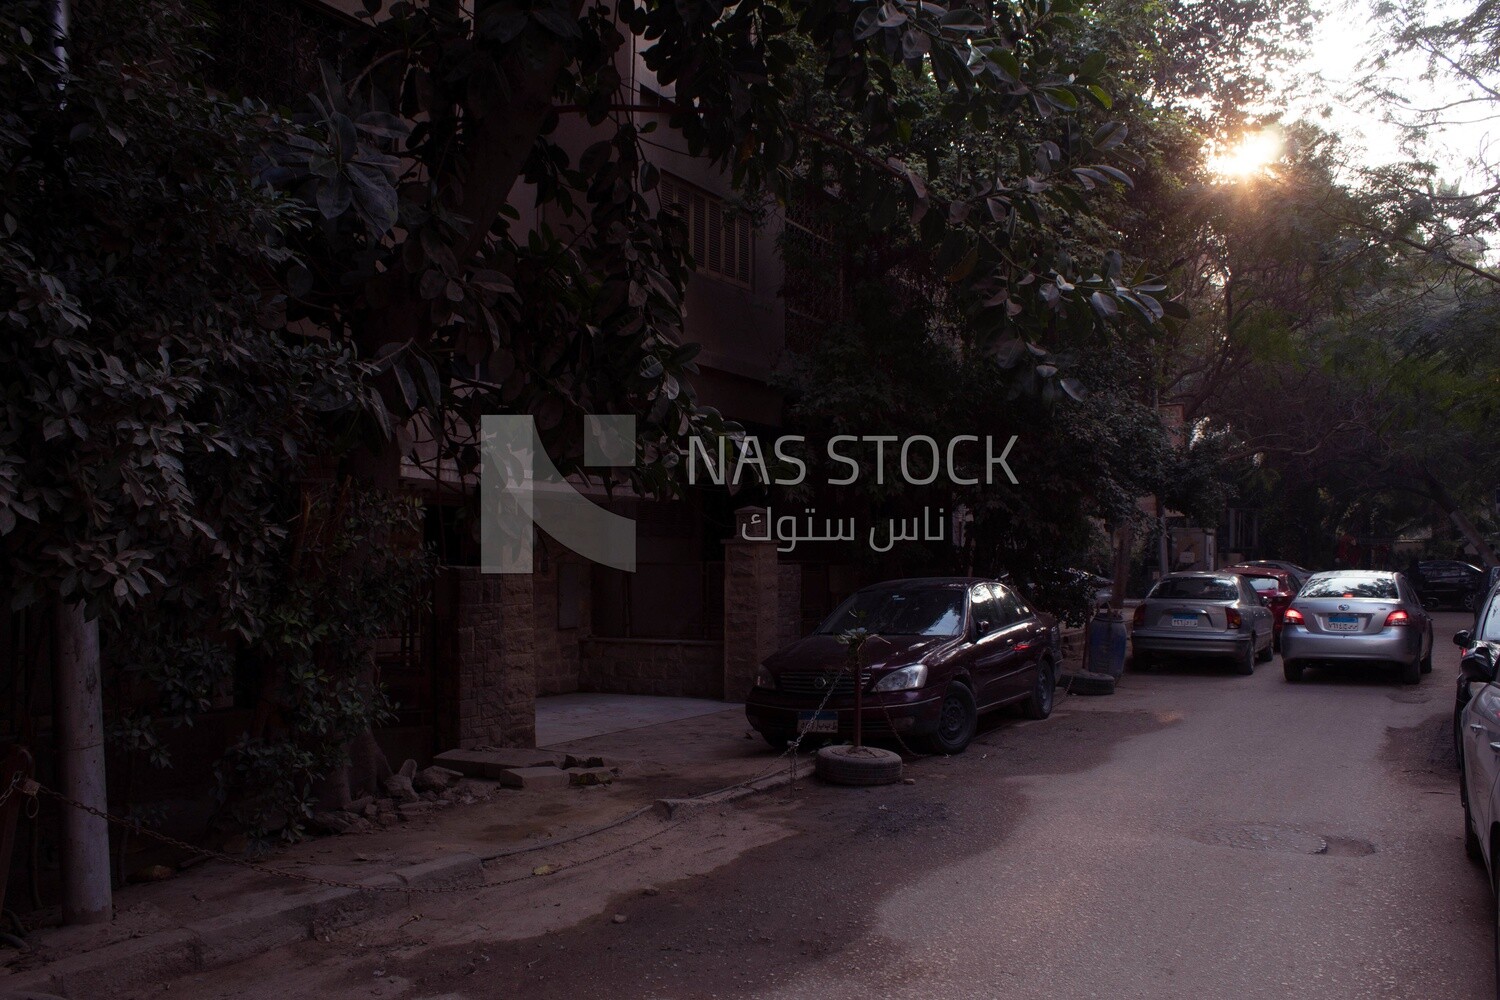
x: 656, y: 753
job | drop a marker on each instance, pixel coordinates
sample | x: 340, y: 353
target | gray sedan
x: 1357, y: 616
x: 1203, y: 614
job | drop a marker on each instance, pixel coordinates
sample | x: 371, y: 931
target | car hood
x: 886, y: 652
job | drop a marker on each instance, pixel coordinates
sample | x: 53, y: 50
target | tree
x: 156, y: 415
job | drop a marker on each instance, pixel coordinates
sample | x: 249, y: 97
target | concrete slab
x: 564, y: 718
x: 534, y: 777
x: 492, y: 764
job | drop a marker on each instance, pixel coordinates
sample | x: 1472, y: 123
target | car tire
x: 1039, y: 704
x: 957, y: 721
x: 1469, y: 600
x: 1141, y: 663
x: 846, y: 765
x: 1291, y: 670
x: 1472, y: 848
x: 1265, y: 655
x: 1411, y: 673
x: 1245, y: 665
x: 1427, y: 663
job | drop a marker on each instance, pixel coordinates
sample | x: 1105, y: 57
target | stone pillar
x: 491, y: 666
x: 751, y: 599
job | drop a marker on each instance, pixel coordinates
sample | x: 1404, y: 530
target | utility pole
x: 78, y: 718
x: 78, y: 706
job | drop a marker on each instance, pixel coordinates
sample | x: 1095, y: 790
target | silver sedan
x: 1357, y: 616
x: 1203, y: 614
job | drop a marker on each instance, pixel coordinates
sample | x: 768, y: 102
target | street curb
x: 683, y: 808
x: 234, y: 937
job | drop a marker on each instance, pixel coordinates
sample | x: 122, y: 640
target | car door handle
x: 1495, y: 747
x: 1476, y: 727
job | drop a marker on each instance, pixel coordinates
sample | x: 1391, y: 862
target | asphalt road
x: 1197, y: 835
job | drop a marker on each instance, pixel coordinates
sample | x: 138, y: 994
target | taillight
x: 1232, y: 616
x: 1397, y: 617
x: 1139, y: 618
x: 1293, y: 616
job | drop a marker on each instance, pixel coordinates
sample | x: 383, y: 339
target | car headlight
x: 906, y: 679
x: 764, y: 678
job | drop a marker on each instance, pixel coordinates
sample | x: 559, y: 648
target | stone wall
x: 487, y: 690
x: 788, y: 604
x: 676, y: 668
x: 751, y: 605
x: 563, y: 579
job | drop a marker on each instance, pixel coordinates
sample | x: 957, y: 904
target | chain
x: 15, y: 782
x: 35, y: 789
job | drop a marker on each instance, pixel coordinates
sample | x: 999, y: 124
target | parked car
x: 1449, y: 583
x: 1483, y: 638
x: 1276, y: 587
x: 1299, y: 573
x: 1478, y: 726
x: 942, y: 651
x: 1357, y: 616
x: 1215, y: 614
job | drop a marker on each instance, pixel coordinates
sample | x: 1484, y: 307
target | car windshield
x: 1197, y: 588
x: 931, y: 611
x: 1375, y: 588
x: 1489, y: 630
x: 1263, y: 583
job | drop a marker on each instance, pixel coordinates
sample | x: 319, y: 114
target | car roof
x: 1198, y: 574
x: 1372, y: 573
x: 929, y: 581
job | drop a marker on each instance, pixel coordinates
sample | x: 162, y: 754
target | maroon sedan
x: 1276, y: 588
x: 940, y: 652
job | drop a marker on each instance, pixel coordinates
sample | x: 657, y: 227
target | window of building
x: 723, y: 241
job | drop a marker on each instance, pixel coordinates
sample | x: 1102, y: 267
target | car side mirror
x: 1265, y: 600
x: 1462, y: 637
x: 984, y: 626
x: 1478, y: 666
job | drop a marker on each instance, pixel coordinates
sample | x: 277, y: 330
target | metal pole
x: 78, y: 713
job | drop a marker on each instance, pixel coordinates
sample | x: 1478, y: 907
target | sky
x: 1347, y: 36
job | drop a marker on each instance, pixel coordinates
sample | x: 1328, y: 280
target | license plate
x: 1184, y: 621
x: 1343, y: 623
x: 817, y: 722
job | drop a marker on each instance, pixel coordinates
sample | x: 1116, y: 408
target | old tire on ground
x: 1038, y: 704
x: 957, y: 722
x: 1291, y: 670
x: 1411, y: 673
x: 1088, y: 682
x: 847, y: 765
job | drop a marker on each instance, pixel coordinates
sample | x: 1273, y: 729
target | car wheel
x: 1039, y: 704
x: 1245, y: 664
x: 1292, y: 670
x: 1469, y: 600
x: 1471, y: 839
x: 1264, y: 656
x: 1427, y: 663
x: 1141, y: 662
x: 1495, y: 919
x: 956, y: 724
x: 1411, y: 673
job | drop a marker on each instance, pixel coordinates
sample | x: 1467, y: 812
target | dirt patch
x: 1423, y: 754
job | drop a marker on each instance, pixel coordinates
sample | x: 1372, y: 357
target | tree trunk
x: 78, y: 706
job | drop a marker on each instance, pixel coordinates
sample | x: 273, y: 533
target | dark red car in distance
x: 1276, y: 586
x: 942, y: 650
